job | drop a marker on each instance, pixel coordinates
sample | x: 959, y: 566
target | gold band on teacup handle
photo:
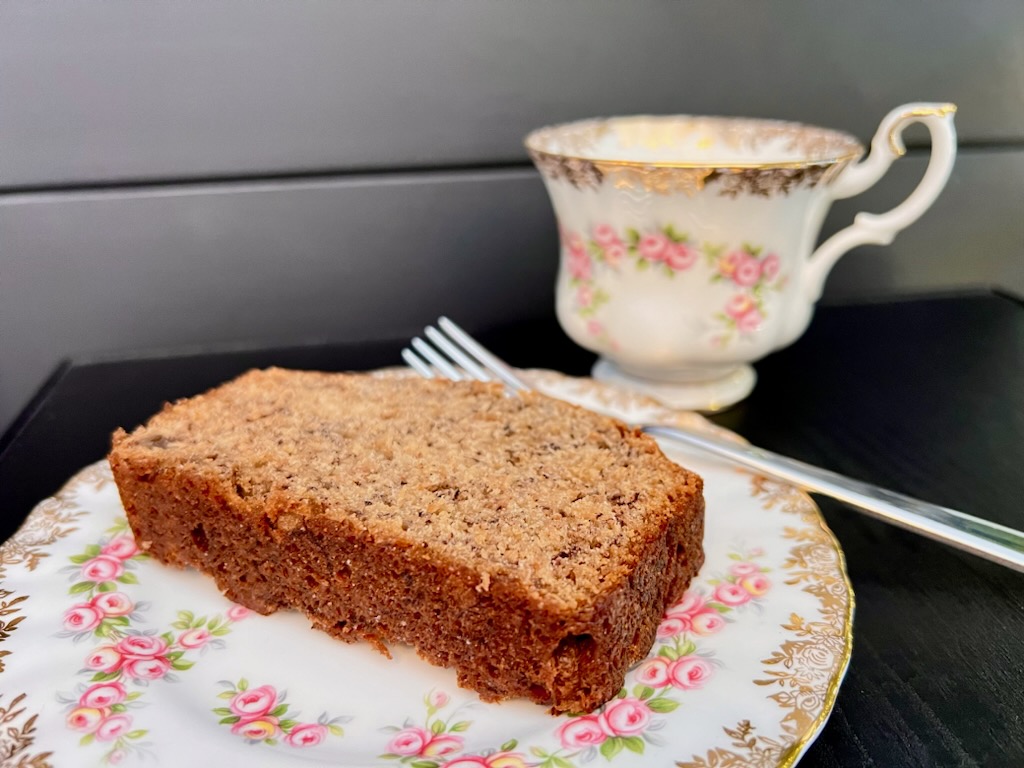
x: 886, y: 147
x: 913, y: 116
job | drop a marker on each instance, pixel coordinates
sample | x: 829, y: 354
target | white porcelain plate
x: 110, y: 657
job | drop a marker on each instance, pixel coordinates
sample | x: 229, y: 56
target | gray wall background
x: 179, y: 174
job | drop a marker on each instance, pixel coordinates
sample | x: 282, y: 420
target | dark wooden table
x: 924, y: 396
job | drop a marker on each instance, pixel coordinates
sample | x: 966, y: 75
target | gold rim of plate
x: 809, y: 513
x: 55, y: 518
x: 794, y: 753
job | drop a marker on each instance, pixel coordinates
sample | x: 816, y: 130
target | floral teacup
x: 688, y: 242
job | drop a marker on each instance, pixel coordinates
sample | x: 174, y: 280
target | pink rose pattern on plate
x: 750, y: 272
x: 631, y: 720
x: 261, y: 715
x: 437, y: 743
x: 126, y: 659
x: 677, y: 664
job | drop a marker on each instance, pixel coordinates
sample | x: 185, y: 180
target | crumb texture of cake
x: 528, y: 543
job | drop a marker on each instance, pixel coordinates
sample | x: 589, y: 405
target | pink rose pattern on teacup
x: 751, y: 272
x: 437, y: 743
x: 581, y: 258
x: 127, y: 659
x: 578, y: 263
x: 261, y: 715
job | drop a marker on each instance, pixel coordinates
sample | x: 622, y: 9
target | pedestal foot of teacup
x: 705, y: 396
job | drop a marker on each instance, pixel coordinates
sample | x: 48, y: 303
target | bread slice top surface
x: 526, y: 487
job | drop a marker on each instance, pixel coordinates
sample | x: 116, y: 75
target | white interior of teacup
x: 684, y: 140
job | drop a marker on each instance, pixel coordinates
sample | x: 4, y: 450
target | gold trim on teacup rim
x: 763, y: 129
x: 824, y: 152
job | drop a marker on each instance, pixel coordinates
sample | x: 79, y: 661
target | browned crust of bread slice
x: 530, y: 544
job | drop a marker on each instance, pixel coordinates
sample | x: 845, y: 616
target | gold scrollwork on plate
x: 49, y: 522
x: 17, y: 735
x: 801, y: 675
x: 804, y: 673
x: 808, y: 667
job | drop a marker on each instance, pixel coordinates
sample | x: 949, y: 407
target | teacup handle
x: 887, y: 146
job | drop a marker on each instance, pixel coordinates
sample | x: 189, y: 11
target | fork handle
x: 992, y: 541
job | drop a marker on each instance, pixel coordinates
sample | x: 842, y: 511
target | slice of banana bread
x: 528, y: 543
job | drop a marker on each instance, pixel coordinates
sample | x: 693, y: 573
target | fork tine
x: 437, y: 360
x: 456, y: 354
x: 481, y: 355
x: 417, y: 363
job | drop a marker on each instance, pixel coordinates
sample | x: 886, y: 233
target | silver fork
x: 456, y: 355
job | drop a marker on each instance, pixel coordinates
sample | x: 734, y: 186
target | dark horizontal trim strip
x: 258, y: 177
